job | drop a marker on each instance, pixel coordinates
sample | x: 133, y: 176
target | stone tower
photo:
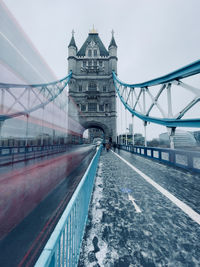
x: 91, y: 88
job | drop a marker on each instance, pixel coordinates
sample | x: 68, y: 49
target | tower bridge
x: 46, y: 182
x: 91, y: 86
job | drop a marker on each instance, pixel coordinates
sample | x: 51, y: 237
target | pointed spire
x: 112, y: 42
x: 93, y: 31
x: 72, y: 42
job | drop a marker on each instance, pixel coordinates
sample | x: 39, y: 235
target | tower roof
x: 93, y: 36
x: 72, y: 42
x: 112, y: 42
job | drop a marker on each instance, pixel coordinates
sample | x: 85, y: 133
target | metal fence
x: 189, y: 160
x: 63, y: 247
x: 9, y: 155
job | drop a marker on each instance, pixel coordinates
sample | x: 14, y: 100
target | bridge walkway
x: 135, y: 222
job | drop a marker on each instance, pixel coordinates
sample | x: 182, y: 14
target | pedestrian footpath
x: 130, y: 223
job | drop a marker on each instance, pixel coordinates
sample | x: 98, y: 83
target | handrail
x: 10, y: 155
x: 63, y: 247
x: 185, y: 159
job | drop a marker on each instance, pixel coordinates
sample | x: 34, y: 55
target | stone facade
x: 91, y: 88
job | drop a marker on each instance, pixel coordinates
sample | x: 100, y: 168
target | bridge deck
x: 131, y: 223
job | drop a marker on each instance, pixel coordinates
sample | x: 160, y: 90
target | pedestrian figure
x: 107, y: 147
x: 114, y: 146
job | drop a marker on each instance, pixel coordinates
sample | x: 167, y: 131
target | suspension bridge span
x: 145, y: 204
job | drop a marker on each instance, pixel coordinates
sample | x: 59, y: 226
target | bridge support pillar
x: 1, y: 126
x: 171, y: 132
x: 133, y: 140
x: 145, y: 133
x: 27, y: 128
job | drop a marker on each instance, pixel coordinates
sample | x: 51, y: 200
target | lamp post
x: 126, y: 136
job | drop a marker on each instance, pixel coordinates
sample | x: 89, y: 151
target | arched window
x: 89, y: 53
x: 95, y: 53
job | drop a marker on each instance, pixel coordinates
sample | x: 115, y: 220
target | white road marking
x: 134, y: 204
x: 184, y: 207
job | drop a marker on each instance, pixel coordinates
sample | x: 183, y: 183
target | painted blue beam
x: 8, y: 85
x: 4, y: 117
x: 189, y: 70
x: 164, y: 121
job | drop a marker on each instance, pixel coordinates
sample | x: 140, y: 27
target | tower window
x: 80, y: 88
x: 92, y: 86
x: 100, y: 63
x: 95, y: 53
x: 92, y: 106
x: 83, y: 107
x: 101, y: 107
x: 104, y: 88
x: 84, y: 63
x: 89, y: 53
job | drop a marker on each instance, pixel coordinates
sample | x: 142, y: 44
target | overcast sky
x: 154, y: 37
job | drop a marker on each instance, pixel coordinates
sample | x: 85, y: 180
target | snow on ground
x: 94, y: 249
x: 117, y: 235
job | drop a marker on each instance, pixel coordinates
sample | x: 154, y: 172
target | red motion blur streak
x: 21, y: 191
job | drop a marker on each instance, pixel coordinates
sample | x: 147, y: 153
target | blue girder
x: 4, y: 117
x: 181, y: 73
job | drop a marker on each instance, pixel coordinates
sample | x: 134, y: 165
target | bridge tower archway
x: 104, y: 129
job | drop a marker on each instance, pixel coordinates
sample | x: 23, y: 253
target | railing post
x: 190, y: 161
x: 1, y: 126
x: 53, y: 261
x: 172, y: 157
x: 42, y: 135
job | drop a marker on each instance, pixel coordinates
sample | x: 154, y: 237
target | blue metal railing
x: 63, y: 247
x: 10, y: 155
x: 189, y: 160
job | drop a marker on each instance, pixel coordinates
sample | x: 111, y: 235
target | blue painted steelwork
x: 189, y: 70
x: 42, y: 89
x: 189, y: 160
x: 63, y: 247
x: 184, y: 72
